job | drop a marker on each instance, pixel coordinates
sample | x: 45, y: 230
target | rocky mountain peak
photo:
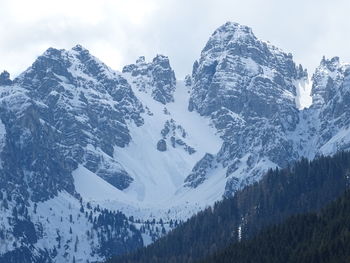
x: 331, y: 64
x: 331, y: 104
x: 247, y: 87
x: 235, y: 62
x: 231, y: 32
x: 162, y: 61
x: 85, y: 106
x: 327, y: 80
x: 52, y: 52
x: 234, y: 26
x: 156, y: 77
x: 5, y: 78
x: 141, y: 60
x: 80, y: 48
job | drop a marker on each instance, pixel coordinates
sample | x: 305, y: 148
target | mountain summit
x: 247, y: 88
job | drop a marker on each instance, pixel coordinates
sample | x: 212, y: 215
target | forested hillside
x: 307, y: 238
x: 302, y: 187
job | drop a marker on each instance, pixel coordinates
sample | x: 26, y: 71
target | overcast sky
x: 118, y: 31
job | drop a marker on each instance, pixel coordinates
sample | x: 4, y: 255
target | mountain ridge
x: 155, y: 148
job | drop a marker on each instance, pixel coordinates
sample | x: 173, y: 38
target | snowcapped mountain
x: 331, y: 96
x: 251, y: 92
x: 156, y: 77
x: 96, y: 162
x: 247, y: 88
x: 78, y: 138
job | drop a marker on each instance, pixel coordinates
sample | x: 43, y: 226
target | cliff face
x: 247, y: 87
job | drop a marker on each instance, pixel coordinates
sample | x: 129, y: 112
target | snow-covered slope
x: 159, y: 174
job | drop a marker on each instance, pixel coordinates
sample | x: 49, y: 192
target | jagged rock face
x: 66, y: 109
x: 257, y: 137
x: 331, y: 90
x: 78, y: 84
x: 331, y: 105
x: 247, y: 87
x: 326, y: 81
x: 175, y: 135
x: 243, y: 74
x: 188, y: 81
x: 29, y: 152
x: 156, y: 77
x: 5, y: 79
x: 200, y: 170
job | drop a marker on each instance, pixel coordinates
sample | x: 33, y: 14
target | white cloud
x: 118, y: 31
